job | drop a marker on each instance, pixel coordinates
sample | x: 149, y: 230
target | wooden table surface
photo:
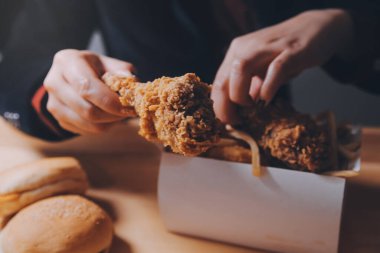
x: 123, y: 171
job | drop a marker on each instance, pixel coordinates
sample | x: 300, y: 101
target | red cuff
x: 36, y: 104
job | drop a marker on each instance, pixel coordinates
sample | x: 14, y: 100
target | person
x: 247, y: 49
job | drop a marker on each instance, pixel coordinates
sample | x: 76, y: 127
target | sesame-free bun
x: 60, y: 224
x: 26, y: 184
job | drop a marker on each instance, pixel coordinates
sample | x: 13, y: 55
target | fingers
x: 93, y: 61
x: 117, y: 66
x: 86, y: 83
x: 71, y: 121
x: 243, y: 70
x: 239, y: 82
x: 78, y: 99
x: 280, y: 70
x: 224, y: 109
x: 244, y: 82
x: 254, y: 89
x: 83, y: 108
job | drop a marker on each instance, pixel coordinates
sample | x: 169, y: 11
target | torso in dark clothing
x: 168, y: 37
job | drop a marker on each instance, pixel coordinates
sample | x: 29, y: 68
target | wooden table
x: 123, y: 171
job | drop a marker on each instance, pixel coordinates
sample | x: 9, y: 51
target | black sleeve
x: 361, y: 70
x: 8, y: 11
x: 42, y: 28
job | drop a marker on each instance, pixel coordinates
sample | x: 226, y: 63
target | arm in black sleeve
x: 361, y: 70
x: 42, y: 28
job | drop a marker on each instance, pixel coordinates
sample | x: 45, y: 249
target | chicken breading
x: 287, y: 137
x: 176, y: 112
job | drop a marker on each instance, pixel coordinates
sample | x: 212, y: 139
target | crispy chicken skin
x: 299, y: 144
x: 176, y: 112
x: 288, y: 138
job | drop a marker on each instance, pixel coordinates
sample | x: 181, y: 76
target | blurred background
x: 315, y: 91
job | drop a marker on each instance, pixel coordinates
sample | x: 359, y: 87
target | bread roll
x: 26, y: 184
x: 60, y: 224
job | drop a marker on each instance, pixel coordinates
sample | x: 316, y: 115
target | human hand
x: 78, y: 98
x: 258, y: 63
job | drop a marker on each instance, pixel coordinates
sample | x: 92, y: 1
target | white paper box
x: 283, y: 210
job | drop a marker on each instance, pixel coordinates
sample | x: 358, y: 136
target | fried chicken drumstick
x: 176, y: 112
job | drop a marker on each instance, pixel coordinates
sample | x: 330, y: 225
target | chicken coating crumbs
x: 176, y: 112
x: 288, y: 138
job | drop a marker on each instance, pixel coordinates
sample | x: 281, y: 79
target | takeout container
x: 282, y: 210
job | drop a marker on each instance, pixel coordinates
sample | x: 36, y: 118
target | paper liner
x: 256, y: 167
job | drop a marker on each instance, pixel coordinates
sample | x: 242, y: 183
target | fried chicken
x: 288, y: 138
x: 176, y: 112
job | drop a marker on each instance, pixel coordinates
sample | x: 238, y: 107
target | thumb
x: 117, y: 66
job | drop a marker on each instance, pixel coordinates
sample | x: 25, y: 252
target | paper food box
x: 282, y: 210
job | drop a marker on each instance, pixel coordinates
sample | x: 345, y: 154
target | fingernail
x: 256, y: 89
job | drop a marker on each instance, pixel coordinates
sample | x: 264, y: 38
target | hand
x: 78, y: 99
x: 257, y: 64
